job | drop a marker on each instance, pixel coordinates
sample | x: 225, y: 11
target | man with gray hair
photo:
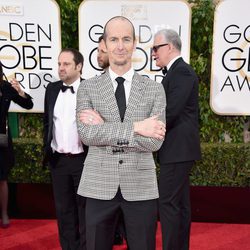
x: 181, y: 146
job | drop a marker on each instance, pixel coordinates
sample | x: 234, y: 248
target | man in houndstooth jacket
x: 119, y: 174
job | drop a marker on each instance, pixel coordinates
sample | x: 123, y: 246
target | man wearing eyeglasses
x: 181, y: 146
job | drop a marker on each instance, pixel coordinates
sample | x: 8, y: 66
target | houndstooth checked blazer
x: 117, y: 156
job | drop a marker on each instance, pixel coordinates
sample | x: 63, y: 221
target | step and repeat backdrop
x: 230, y: 75
x: 147, y: 17
x: 30, y: 42
x: 30, y: 37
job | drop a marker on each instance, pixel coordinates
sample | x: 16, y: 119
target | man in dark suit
x: 64, y: 151
x: 122, y: 119
x: 181, y: 146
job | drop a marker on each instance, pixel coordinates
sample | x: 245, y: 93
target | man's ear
x: 135, y: 43
x: 171, y: 47
x: 79, y: 66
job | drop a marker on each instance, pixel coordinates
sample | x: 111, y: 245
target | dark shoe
x: 118, y: 239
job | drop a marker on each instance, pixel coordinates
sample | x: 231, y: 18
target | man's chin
x: 63, y: 78
x: 158, y: 64
x: 120, y: 63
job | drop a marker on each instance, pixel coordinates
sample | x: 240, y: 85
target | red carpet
x: 42, y: 235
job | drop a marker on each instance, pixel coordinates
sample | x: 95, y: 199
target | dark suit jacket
x: 51, y: 95
x: 9, y: 94
x: 182, y: 141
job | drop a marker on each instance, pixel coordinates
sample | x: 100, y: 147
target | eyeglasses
x: 156, y: 47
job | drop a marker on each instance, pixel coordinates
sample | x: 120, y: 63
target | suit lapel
x: 174, y: 65
x: 52, y: 100
x: 107, y: 94
x: 136, y: 94
x: 165, y: 81
x: 54, y: 94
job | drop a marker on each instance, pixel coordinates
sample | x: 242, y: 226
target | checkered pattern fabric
x: 133, y: 167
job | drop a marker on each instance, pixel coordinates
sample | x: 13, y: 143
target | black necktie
x: 164, y: 71
x: 120, y: 96
x: 64, y: 88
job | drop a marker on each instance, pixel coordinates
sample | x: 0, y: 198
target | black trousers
x: 174, y: 205
x: 140, y: 218
x: 70, y: 208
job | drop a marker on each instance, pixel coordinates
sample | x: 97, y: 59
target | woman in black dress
x: 8, y: 92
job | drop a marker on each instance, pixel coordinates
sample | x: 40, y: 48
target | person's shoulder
x: 92, y: 80
x: 184, y: 69
x: 147, y: 80
x: 88, y: 83
x: 184, y: 66
x: 54, y: 84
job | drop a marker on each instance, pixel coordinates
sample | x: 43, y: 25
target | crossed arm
x: 149, y: 127
x: 145, y: 135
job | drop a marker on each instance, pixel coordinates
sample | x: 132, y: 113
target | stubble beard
x: 64, y: 78
x: 120, y: 63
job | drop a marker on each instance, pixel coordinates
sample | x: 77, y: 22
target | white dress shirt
x: 65, y: 135
x: 128, y: 76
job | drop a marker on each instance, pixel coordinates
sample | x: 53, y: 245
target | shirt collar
x: 128, y: 76
x: 172, y: 61
x: 75, y: 84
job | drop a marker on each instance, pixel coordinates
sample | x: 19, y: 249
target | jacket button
x: 121, y: 161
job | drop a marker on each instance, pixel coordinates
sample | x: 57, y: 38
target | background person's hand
x: 16, y: 85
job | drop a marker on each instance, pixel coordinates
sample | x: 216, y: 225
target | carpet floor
x: 42, y: 235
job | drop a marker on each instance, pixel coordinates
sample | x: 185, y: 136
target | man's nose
x: 120, y: 44
x: 61, y: 67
